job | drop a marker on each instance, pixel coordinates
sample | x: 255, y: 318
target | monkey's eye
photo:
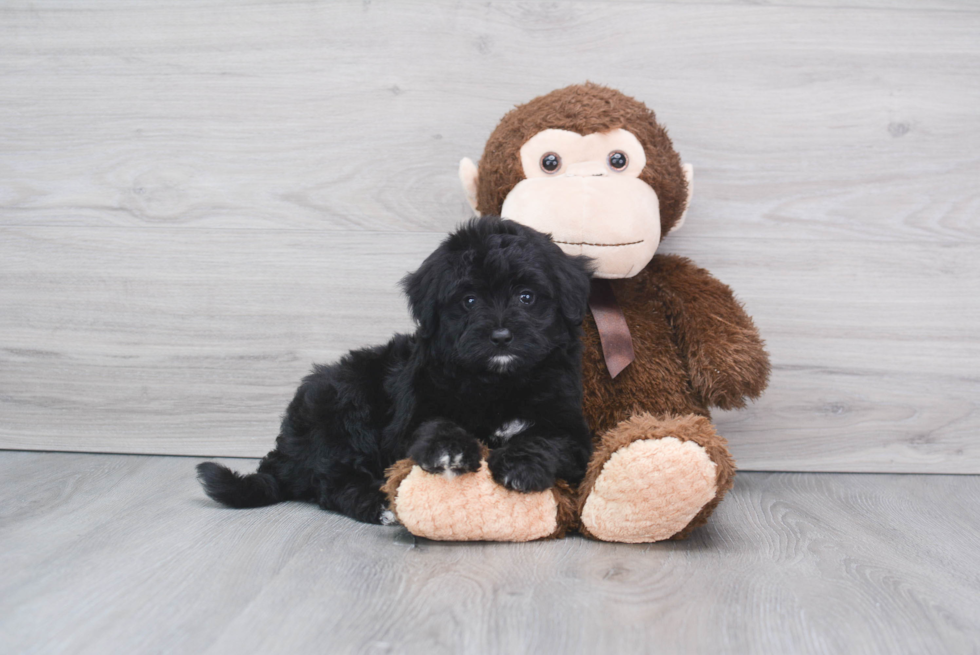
x: 526, y: 297
x: 550, y: 162
x: 469, y: 301
x: 618, y: 160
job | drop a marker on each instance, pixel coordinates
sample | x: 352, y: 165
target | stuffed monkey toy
x: 663, y: 342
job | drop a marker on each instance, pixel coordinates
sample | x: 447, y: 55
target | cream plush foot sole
x: 472, y: 507
x: 649, y: 490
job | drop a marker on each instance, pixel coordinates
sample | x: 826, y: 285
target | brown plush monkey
x: 664, y: 341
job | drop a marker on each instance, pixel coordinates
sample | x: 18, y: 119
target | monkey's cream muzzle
x: 613, y: 220
x: 588, y: 206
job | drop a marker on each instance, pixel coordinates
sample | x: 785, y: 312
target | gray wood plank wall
x: 199, y: 199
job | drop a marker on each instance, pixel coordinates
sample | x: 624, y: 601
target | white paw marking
x: 510, y: 428
x: 501, y: 363
x: 457, y: 461
x: 388, y: 517
x: 443, y: 462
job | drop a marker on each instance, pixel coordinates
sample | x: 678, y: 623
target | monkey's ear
x: 468, y: 175
x: 689, y: 176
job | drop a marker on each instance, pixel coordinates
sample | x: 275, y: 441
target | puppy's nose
x: 501, y: 336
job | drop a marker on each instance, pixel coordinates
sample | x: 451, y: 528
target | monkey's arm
x: 726, y: 358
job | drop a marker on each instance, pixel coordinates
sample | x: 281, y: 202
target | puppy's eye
x: 550, y: 162
x: 469, y: 301
x: 618, y: 160
x: 526, y: 297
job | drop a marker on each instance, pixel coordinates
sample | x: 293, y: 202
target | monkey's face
x: 585, y: 191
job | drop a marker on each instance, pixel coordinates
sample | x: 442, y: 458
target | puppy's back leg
x: 357, y: 494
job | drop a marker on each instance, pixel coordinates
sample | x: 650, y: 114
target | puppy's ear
x: 421, y: 289
x: 573, y: 277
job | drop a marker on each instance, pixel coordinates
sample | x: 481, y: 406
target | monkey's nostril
x: 501, y: 336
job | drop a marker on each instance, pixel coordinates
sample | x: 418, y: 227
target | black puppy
x: 496, y: 358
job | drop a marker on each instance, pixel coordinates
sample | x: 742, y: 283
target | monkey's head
x: 590, y: 166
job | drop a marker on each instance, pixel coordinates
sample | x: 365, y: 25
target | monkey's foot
x: 652, y: 479
x: 473, y: 507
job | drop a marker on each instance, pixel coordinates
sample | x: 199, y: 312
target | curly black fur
x: 496, y: 359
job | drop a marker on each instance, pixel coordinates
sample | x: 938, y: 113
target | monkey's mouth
x: 601, y: 245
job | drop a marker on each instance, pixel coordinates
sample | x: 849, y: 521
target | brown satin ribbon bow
x: 614, y: 334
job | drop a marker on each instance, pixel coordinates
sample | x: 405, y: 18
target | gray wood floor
x: 123, y: 554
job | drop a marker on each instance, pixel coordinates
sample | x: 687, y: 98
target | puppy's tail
x: 237, y: 490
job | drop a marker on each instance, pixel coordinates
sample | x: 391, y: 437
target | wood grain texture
x: 183, y: 341
x: 200, y: 199
x: 122, y: 554
x: 192, y: 341
x: 815, y: 122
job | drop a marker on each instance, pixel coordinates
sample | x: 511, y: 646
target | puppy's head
x: 498, y: 296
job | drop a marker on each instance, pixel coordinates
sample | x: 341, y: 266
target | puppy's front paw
x: 442, y: 447
x: 520, y: 472
x: 449, y: 457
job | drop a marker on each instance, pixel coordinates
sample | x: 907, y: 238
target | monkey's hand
x: 726, y: 358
